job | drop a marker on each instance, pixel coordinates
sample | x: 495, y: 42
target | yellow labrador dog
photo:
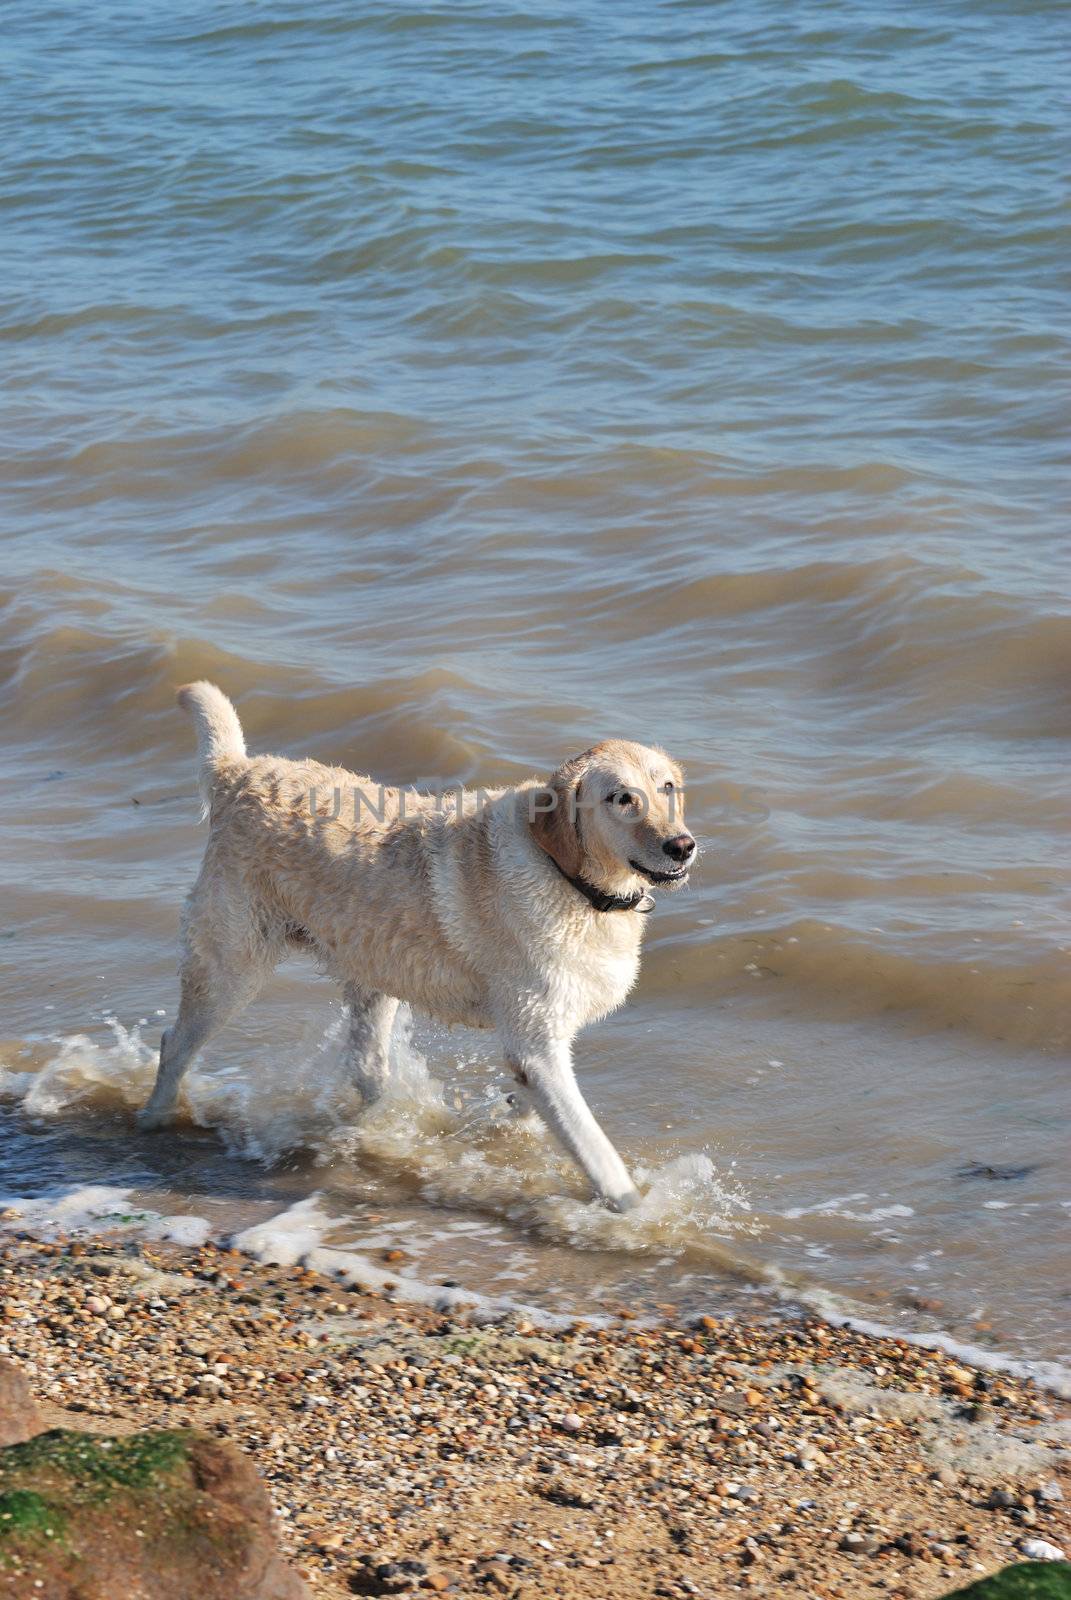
x: 523, y: 912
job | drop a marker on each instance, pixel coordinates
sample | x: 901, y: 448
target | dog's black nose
x: 682, y: 848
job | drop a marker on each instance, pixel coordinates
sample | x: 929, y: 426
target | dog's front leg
x: 544, y: 1068
x: 371, y: 1018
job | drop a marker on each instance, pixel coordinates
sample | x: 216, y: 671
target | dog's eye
x: 668, y: 787
x: 620, y: 797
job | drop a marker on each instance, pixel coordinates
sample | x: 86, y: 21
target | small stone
x: 572, y: 1423
x: 388, y: 1577
x: 1041, y: 1550
x: 1050, y: 1491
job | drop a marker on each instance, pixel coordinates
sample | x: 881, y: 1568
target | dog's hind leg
x: 544, y: 1069
x: 368, y: 1056
x: 212, y: 993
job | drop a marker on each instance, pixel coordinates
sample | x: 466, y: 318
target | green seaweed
x: 22, y: 1513
x: 47, y: 1480
x: 1031, y: 1580
x: 96, y: 1466
x: 59, y: 1489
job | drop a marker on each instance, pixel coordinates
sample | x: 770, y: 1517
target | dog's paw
x: 148, y: 1121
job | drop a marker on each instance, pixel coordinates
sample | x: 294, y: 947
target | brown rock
x: 19, y: 1416
x: 171, y: 1514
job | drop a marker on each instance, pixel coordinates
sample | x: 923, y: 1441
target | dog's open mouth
x: 659, y: 877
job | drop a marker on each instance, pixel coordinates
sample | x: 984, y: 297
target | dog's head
x: 615, y: 816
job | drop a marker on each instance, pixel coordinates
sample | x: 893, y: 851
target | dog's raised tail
x: 219, y: 733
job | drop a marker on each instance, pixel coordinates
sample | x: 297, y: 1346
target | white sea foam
x: 97, y: 1209
x: 296, y: 1236
x: 839, y: 1207
x: 843, y: 1313
x: 288, y: 1237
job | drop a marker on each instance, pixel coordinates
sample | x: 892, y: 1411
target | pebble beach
x: 407, y: 1450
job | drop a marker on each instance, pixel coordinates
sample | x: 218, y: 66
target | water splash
x: 468, y: 1149
x: 85, y: 1073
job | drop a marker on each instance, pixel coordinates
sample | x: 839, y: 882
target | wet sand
x: 409, y: 1450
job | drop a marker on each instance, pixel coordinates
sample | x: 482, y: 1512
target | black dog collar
x: 599, y: 900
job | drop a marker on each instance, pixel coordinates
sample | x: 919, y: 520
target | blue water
x: 458, y: 384
x: 773, y: 237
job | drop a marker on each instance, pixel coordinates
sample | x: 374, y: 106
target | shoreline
x: 407, y: 1448
x: 294, y: 1236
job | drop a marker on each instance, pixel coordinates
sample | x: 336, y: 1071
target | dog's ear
x: 553, y: 818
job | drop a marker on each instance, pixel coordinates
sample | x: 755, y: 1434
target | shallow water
x: 457, y: 385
